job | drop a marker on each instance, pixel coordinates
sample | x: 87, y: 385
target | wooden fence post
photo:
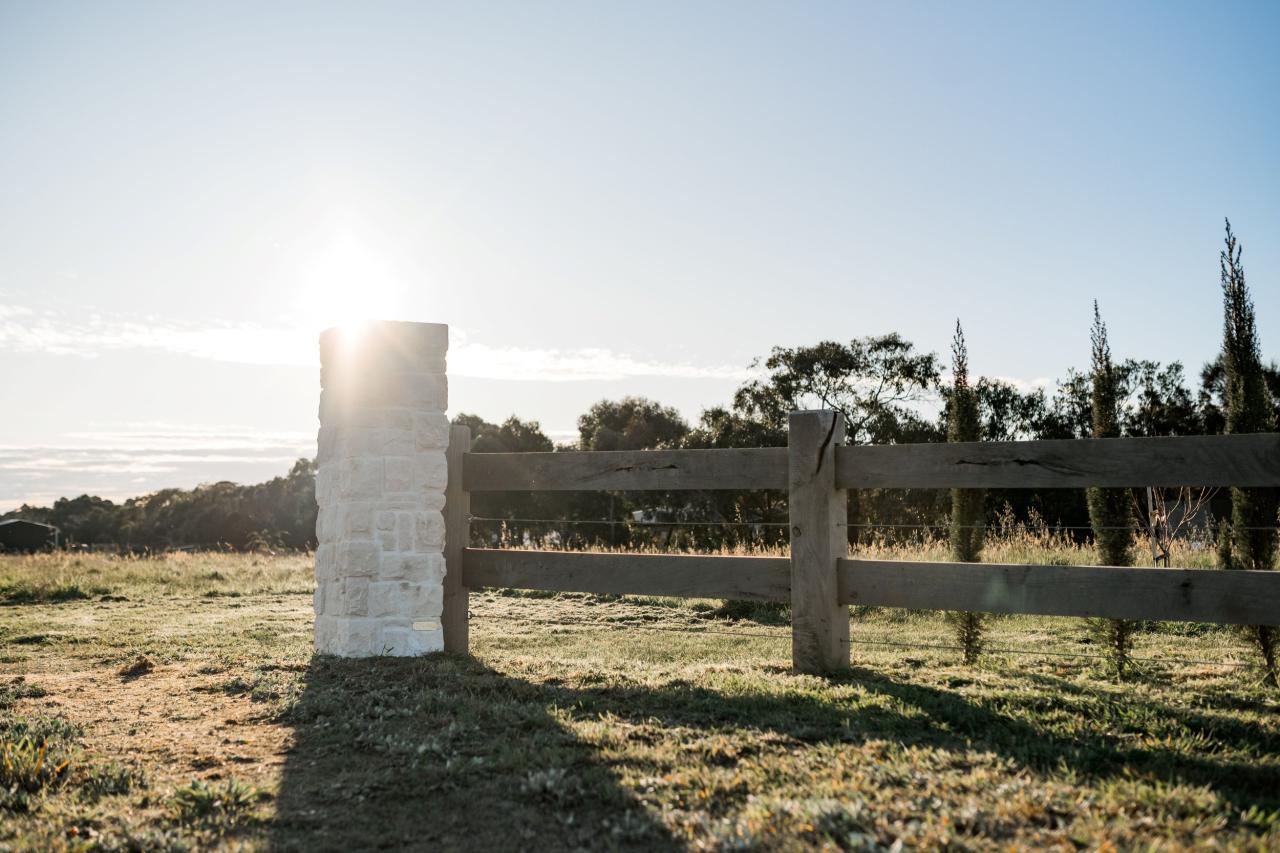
x: 457, y: 531
x: 819, y: 538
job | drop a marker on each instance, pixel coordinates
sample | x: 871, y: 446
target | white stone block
x: 360, y: 478
x: 398, y: 417
x: 326, y: 563
x: 393, y: 442
x: 386, y: 598
x: 431, y: 431
x: 328, y: 598
x: 327, y: 635
x: 355, y: 596
x: 404, y: 531
x: 399, y: 473
x: 326, y: 485
x: 430, y: 471
x: 428, y: 532
x: 358, y: 559
x: 356, y: 637
x: 357, y: 520
x: 419, y: 568
x: 327, y: 530
x: 397, y: 641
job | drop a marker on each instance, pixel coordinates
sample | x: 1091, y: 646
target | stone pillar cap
x: 378, y: 335
x: 382, y: 348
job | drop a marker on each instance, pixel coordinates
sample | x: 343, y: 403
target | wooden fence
x: 818, y: 579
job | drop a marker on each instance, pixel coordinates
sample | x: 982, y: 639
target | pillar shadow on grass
x: 441, y: 752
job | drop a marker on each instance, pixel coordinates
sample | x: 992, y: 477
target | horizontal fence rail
x: 1167, y: 595
x: 818, y: 580
x: 1172, y: 595
x: 1073, y: 463
x: 623, y: 470
x: 1185, y: 460
x: 677, y: 575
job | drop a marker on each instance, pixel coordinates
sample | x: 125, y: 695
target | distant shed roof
x: 23, y: 534
x: 24, y: 521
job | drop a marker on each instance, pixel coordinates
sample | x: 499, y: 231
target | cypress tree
x: 1109, y: 508
x: 1248, y: 405
x: 967, y: 521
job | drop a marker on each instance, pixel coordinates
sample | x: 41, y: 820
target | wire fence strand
x: 873, y: 525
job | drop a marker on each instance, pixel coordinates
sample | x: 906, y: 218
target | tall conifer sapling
x: 967, y: 517
x: 1109, y: 509
x: 1252, y: 540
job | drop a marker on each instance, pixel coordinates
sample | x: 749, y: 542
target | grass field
x: 180, y: 707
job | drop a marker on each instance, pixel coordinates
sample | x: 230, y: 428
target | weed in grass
x: 27, y: 768
x: 39, y: 727
x: 553, y: 785
x: 223, y: 805
x: 17, y: 689
x: 110, y: 780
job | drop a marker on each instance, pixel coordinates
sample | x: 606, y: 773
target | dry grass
x: 596, y: 723
x: 68, y: 576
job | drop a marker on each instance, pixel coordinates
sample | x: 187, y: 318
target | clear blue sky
x: 599, y: 198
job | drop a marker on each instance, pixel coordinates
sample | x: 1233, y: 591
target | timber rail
x: 819, y: 579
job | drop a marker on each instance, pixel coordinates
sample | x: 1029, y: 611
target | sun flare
x: 348, y: 283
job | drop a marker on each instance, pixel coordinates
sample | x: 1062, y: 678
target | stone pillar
x: 380, y: 485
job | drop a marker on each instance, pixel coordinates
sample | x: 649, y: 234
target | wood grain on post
x: 819, y: 539
x: 457, y: 532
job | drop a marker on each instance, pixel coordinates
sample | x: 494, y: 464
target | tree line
x: 277, y: 514
x: 887, y: 389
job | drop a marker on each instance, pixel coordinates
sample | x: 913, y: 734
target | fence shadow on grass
x: 1112, y: 734
x: 1103, y: 738
x: 443, y: 753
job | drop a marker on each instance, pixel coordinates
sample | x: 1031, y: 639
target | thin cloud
x: 116, y: 463
x: 25, y: 330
